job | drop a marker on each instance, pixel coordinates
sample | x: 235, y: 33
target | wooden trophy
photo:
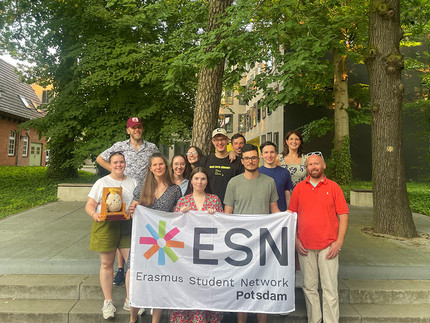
x: 113, y: 208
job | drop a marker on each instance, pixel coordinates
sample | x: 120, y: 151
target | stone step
x: 84, y: 311
x: 87, y: 287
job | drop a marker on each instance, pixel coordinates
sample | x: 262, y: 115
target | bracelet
x: 93, y: 213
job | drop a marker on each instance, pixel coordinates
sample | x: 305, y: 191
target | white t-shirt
x: 128, y: 185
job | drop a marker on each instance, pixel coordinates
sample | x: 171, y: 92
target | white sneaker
x: 127, y: 307
x: 126, y: 304
x: 108, y: 309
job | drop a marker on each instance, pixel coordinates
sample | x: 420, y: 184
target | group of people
x: 230, y: 182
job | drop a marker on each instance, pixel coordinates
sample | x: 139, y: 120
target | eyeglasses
x: 316, y: 153
x: 191, y: 153
x: 253, y: 158
x: 220, y: 139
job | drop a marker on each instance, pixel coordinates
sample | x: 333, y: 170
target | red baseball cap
x: 133, y: 121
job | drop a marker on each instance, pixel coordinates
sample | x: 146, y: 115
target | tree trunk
x: 341, y: 119
x: 392, y: 214
x: 209, y: 87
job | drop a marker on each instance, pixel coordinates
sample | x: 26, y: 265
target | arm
x: 232, y: 155
x: 299, y: 246
x: 91, y: 208
x: 287, y: 197
x: 228, y: 209
x: 273, y: 207
x: 103, y: 163
x: 336, y: 245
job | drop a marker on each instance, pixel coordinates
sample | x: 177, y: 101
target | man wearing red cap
x: 137, y: 153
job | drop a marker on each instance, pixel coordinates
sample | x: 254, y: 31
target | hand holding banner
x: 216, y: 262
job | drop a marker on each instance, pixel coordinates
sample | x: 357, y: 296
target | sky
x: 9, y: 60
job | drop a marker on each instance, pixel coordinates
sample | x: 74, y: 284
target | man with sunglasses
x: 322, y: 222
x: 251, y: 193
x: 137, y: 153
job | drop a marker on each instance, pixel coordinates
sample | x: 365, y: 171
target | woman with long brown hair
x: 292, y: 158
x: 199, y: 199
x: 158, y: 193
x: 180, y: 170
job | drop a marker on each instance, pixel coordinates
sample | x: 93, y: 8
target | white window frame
x: 12, y: 143
x: 25, y: 142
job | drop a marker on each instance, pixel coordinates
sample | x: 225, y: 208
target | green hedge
x: 25, y: 187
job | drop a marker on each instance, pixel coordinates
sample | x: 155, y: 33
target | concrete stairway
x: 78, y: 298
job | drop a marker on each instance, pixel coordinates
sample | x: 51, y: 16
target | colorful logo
x: 161, y: 242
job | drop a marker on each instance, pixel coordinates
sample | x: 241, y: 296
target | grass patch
x: 25, y: 187
x: 419, y: 194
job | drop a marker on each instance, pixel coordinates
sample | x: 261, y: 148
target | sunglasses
x: 316, y: 153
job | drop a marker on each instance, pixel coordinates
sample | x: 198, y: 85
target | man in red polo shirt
x: 322, y: 222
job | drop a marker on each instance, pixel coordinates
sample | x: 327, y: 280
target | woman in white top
x: 107, y: 236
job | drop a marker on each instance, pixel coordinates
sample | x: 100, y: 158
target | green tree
x: 107, y: 61
x: 296, y: 38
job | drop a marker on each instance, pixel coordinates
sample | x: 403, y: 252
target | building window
x: 12, y: 140
x: 25, y: 102
x: 25, y: 146
x: 241, y: 127
x: 228, y: 97
x: 226, y: 121
x: 46, y: 96
x: 254, y: 116
x: 258, y: 114
x: 46, y: 156
x: 276, y: 140
x: 269, y: 137
x: 263, y: 138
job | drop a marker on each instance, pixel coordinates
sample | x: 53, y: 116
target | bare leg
x: 133, y: 313
x: 133, y: 310
x: 124, y: 255
x: 120, y: 258
x: 262, y: 318
x: 156, y: 315
x: 241, y: 317
x: 107, y: 260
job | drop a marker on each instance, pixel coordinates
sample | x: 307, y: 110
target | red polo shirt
x: 317, y: 212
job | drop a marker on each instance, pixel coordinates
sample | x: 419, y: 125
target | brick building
x: 18, y: 103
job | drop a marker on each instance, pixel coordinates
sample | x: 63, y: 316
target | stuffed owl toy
x: 114, y: 202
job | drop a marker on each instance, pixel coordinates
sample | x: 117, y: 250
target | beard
x: 316, y: 173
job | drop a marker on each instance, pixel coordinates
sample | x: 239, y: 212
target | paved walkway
x: 54, y: 239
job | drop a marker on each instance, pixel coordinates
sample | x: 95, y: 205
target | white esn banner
x: 217, y: 262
